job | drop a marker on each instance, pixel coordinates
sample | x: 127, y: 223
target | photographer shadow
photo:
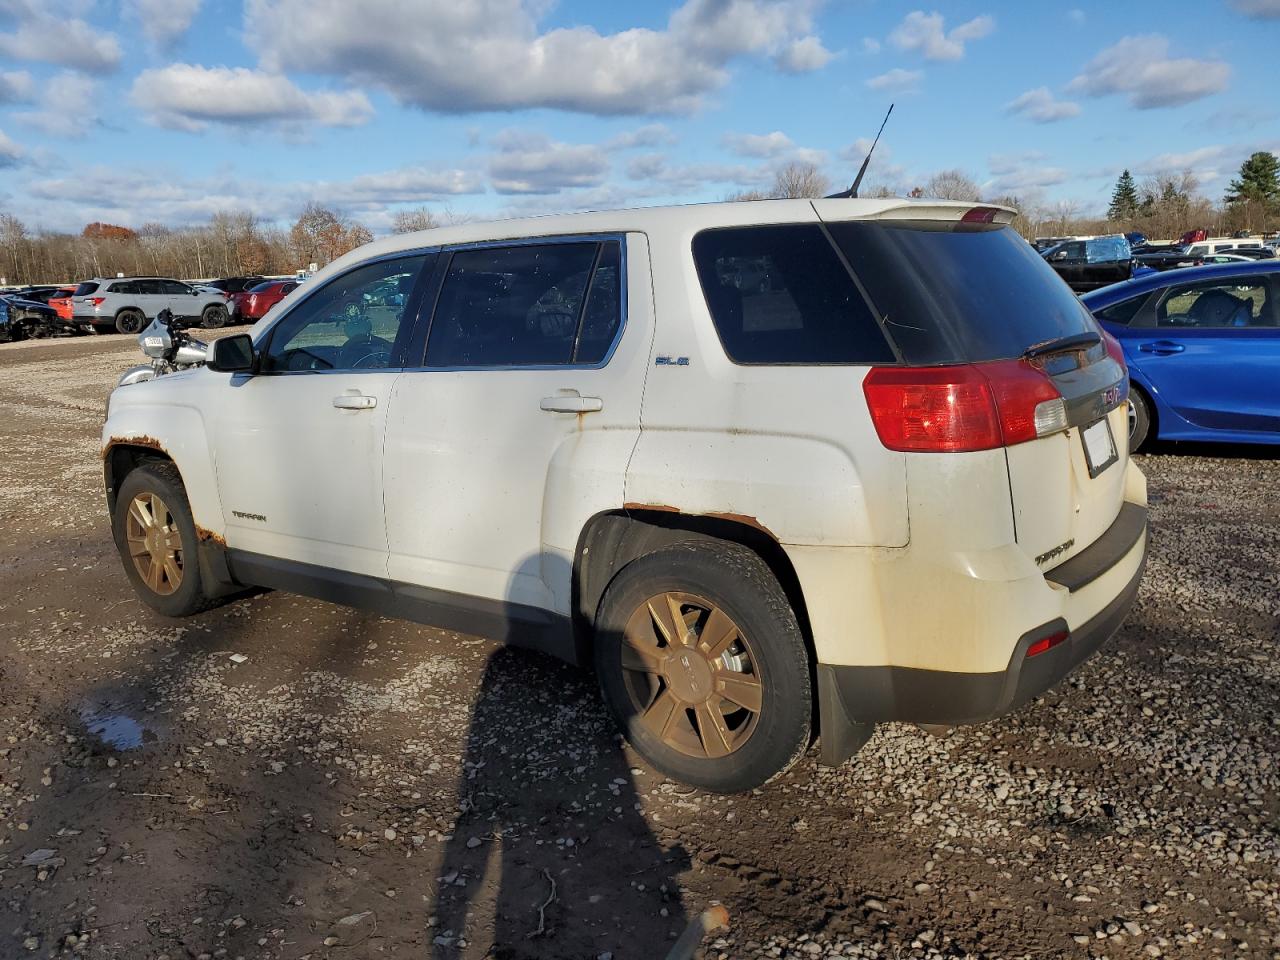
x: 551, y: 855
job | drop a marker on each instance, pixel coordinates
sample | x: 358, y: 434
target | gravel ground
x: 285, y: 778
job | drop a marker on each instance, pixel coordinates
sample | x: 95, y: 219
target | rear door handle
x: 349, y: 402
x: 1162, y: 347
x: 571, y: 403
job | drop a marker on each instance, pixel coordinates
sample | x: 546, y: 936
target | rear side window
x: 780, y: 295
x: 958, y: 292
x: 84, y: 289
x: 527, y: 305
x: 1123, y: 312
x: 123, y: 286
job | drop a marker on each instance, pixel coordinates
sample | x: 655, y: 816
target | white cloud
x: 1258, y: 9
x: 15, y: 87
x: 406, y: 185
x: 870, y: 46
x: 1076, y: 15
x: 164, y: 21
x: 66, y: 104
x: 897, y: 80
x: 49, y: 33
x: 684, y: 179
x: 1183, y: 160
x: 649, y: 135
x: 1020, y: 173
x: 926, y: 34
x: 803, y: 56
x: 758, y: 144
x: 1039, y: 105
x: 1141, y: 68
x: 448, y: 57
x: 11, y: 154
x: 528, y: 162
x: 190, y: 97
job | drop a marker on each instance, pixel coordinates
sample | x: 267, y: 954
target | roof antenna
x: 852, y: 192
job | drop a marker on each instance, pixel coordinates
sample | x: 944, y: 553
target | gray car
x: 127, y: 304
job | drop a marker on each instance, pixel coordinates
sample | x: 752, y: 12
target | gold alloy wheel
x: 155, y: 543
x: 691, y: 675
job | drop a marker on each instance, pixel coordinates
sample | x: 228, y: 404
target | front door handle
x: 571, y: 403
x: 1162, y: 347
x: 356, y: 402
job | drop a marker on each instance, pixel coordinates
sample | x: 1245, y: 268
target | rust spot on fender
x: 208, y: 536
x: 742, y: 518
x: 151, y: 443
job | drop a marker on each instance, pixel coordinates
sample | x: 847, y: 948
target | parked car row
x: 1089, y: 263
x: 127, y: 304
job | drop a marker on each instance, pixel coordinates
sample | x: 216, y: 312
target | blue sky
x: 132, y: 111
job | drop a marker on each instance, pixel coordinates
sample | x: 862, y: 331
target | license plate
x: 1099, y: 447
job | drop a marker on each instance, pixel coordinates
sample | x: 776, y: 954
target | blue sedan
x: 1203, y: 348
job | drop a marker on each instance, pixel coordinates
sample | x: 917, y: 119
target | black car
x: 1254, y: 253
x: 24, y: 319
x: 1092, y: 262
x: 1166, y: 258
x: 40, y: 294
x: 231, y: 285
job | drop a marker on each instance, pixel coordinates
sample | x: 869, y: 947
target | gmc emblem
x: 1111, y: 396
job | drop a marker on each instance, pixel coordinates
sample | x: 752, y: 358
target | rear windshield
x: 84, y: 289
x: 263, y: 287
x: 951, y: 292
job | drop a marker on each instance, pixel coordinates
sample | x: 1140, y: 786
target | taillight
x: 1047, y: 643
x: 980, y: 215
x: 1114, y: 349
x: 962, y: 408
x: 97, y: 301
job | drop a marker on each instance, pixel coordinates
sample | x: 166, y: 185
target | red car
x: 253, y: 304
x: 62, y: 302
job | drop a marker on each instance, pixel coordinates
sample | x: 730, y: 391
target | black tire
x: 1139, y: 419
x: 739, y: 583
x: 161, y: 479
x: 214, y: 316
x: 130, y: 321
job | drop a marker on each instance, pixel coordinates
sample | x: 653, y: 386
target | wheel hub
x: 155, y: 543
x: 691, y: 675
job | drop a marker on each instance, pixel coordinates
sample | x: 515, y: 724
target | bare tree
x: 799, y: 179
x: 747, y: 195
x: 411, y: 221
x: 952, y: 185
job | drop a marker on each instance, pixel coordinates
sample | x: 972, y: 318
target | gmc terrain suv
x: 127, y: 304
x: 778, y: 470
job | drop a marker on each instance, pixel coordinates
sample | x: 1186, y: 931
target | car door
x: 148, y: 296
x: 299, y: 445
x: 183, y: 300
x: 1211, y: 349
x: 522, y: 419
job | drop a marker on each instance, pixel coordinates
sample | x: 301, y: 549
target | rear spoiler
x: 945, y: 210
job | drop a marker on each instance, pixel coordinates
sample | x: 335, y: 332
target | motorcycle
x: 170, y: 348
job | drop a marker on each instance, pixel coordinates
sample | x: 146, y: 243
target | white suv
x: 776, y: 469
x: 126, y: 304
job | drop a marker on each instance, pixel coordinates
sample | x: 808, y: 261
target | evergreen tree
x: 1124, y: 199
x: 1259, y: 180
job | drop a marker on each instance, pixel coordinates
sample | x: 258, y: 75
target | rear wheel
x: 1139, y: 419
x: 702, y: 663
x: 156, y: 537
x: 130, y: 321
x: 214, y: 315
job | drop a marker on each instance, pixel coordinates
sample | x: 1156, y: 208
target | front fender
x: 174, y: 431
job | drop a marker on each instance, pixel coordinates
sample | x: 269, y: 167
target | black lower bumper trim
x: 877, y: 694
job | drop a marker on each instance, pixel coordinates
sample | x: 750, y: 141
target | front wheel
x: 156, y: 537
x: 703, y: 666
x: 214, y: 316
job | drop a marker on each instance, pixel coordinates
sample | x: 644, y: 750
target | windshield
x: 953, y: 292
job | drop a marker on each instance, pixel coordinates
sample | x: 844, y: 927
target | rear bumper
x: 852, y: 699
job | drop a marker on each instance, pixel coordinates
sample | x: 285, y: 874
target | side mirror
x: 232, y: 355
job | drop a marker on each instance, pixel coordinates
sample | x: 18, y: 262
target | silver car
x: 127, y: 304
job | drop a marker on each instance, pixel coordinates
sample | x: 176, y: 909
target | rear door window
x: 957, y: 292
x: 780, y: 295
x: 524, y: 305
x: 1123, y: 312
x: 1242, y: 302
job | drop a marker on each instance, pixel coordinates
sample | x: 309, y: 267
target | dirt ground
x: 284, y: 778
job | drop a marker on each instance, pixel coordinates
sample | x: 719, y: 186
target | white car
x: 125, y: 304
x: 778, y: 470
